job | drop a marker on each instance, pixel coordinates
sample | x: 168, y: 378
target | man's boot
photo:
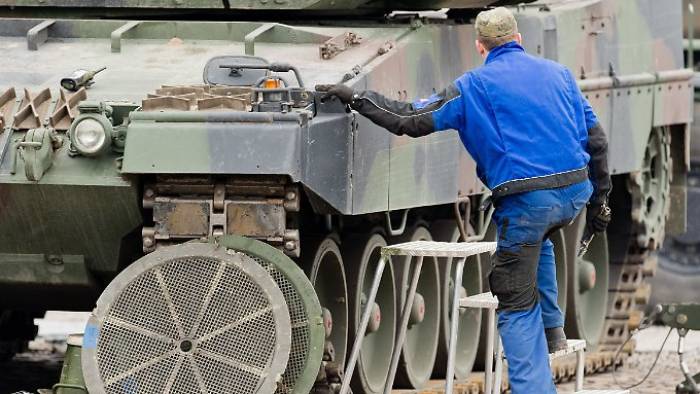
x: 556, y: 339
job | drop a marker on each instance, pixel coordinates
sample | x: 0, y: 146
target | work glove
x: 597, y: 218
x: 342, y: 92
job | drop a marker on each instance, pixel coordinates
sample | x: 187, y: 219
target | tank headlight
x: 91, y: 134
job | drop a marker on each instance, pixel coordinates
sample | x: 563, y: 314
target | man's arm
x: 598, y: 165
x: 439, y: 112
x: 595, y: 142
x: 598, y: 213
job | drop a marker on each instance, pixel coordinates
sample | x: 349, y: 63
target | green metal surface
x: 267, y: 5
x: 78, y: 216
x: 71, y: 381
x: 686, y: 315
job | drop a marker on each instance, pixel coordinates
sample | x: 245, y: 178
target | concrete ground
x: 40, y: 368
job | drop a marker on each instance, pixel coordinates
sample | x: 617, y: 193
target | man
x: 536, y: 142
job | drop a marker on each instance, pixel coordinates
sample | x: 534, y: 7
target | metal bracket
x: 253, y: 35
x: 483, y: 219
x: 337, y: 44
x: 116, y: 36
x: 36, y: 150
x: 38, y: 34
x: 463, y: 220
x: 390, y: 229
x: 6, y: 131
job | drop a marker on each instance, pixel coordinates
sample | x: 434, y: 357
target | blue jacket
x: 522, y: 118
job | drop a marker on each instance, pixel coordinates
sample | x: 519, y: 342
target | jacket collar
x: 511, y: 46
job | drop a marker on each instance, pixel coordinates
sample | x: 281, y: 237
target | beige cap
x: 496, y: 23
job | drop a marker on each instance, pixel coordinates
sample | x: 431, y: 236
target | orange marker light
x: 271, y: 83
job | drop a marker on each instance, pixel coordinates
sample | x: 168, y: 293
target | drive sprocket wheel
x: 650, y: 190
x: 649, y: 203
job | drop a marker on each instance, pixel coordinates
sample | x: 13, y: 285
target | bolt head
x: 682, y: 318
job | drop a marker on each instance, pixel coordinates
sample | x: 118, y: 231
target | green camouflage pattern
x: 265, y: 5
x: 626, y: 54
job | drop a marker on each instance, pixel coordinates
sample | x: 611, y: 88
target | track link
x: 563, y: 370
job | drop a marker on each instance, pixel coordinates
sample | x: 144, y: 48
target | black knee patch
x: 513, y: 277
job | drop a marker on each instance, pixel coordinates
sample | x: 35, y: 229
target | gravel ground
x: 666, y: 374
x: 40, y: 368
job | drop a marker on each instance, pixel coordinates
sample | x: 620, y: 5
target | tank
x: 201, y: 160
x: 679, y: 266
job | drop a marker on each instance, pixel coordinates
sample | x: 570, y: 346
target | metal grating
x: 439, y: 249
x: 191, y: 324
x: 300, y: 328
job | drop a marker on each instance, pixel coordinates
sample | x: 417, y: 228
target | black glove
x: 597, y: 218
x: 342, y: 92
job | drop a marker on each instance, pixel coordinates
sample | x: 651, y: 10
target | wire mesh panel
x: 304, y: 310
x: 192, y: 318
x: 300, y: 329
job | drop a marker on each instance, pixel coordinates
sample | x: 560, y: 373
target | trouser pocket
x: 513, y: 277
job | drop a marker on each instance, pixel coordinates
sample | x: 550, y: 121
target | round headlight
x: 91, y: 135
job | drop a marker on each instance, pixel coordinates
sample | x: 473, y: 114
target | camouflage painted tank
x: 203, y: 126
x: 679, y: 264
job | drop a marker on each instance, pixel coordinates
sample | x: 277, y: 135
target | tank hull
x: 73, y: 221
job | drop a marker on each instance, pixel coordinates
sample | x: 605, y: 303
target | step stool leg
x: 362, y: 328
x: 580, y: 365
x: 405, y: 314
x: 454, y: 327
x: 499, y: 364
x: 488, y: 363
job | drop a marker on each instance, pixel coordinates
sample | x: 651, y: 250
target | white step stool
x: 420, y: 249
x: 459, y: 250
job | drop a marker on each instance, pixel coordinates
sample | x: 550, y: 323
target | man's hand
x: 342, y: 92
x: 597, y: 218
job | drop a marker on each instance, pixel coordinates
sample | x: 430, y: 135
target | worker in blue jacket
x: 541, y: 150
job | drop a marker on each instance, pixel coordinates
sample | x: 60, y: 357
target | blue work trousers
x: 523, y: 277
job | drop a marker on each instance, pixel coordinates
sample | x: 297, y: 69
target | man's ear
x: 480, y: 48
x: 519, y: 38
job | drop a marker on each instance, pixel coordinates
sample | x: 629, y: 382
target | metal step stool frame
x: 419, y: 249
x: 494, y: 348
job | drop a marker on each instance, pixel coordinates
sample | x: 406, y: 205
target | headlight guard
x: 91, y: 134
